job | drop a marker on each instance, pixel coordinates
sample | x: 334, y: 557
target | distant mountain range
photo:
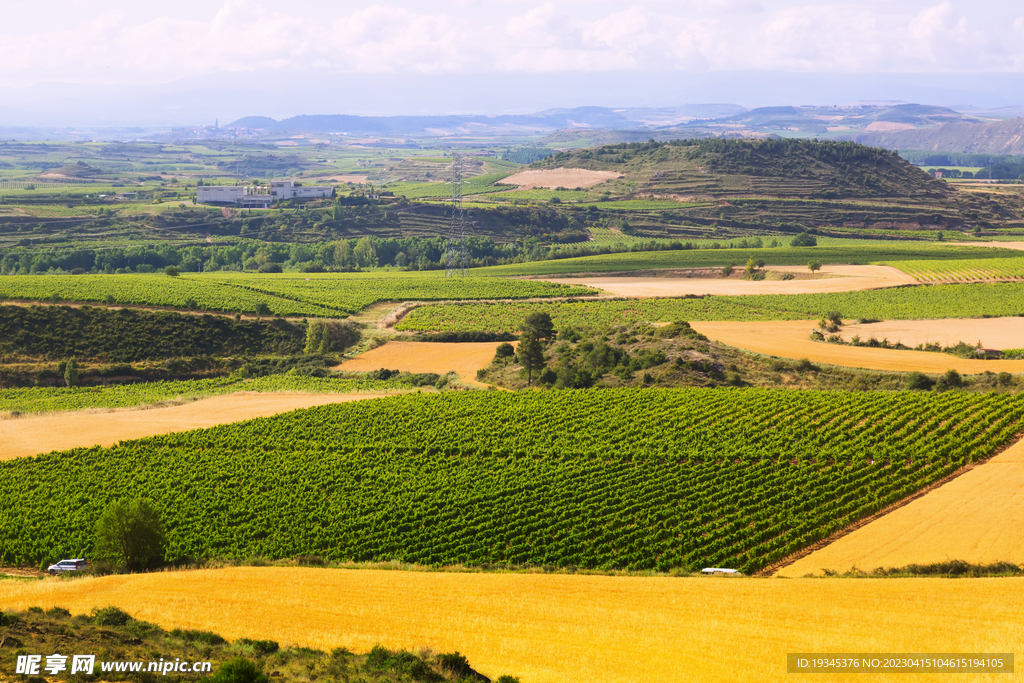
x: 995, y: 137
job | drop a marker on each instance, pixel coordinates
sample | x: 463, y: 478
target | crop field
x: 313, y: 295
x: 895, y: 303
x: 640, y: 479
x: 462, y: 358
x: 791, y: 339
x: 63, y: 399
x: 781, y: 256
x: 565, y: 629
x: 974, y: 518
x: 963, y: 270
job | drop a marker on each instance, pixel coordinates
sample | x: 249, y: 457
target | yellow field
x: 34, y: 434
x: 569, y: 629
x: 464, y: 358
x: 977, y: 517
x: 791, y: 339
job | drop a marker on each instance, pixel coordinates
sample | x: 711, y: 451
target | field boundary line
x: 771, y: 569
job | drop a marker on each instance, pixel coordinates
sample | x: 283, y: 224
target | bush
x: 455, y: 664
x: 239, y: 670
x: 324, y: 336
x: 204, y: 637
x: 109, y: 616
x: 172, y: 271
x: 270, y: 268
x: 918, y: 381
x: 262, y: 647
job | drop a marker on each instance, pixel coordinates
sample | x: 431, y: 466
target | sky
x: 122, y: 43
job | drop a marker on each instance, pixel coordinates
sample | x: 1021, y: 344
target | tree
x: 804, y: 239
x: 172, y: 271
x: 71, y: 372
x: 324, y: 336
x: 751, y: 266
x: 504, y: 352
x: 364, y: 253
x: 531, y: 355
x: 813, y: 266
x: 538, y: 324
x: 131, y: 534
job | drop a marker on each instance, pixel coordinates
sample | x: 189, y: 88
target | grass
x: 563, y: 628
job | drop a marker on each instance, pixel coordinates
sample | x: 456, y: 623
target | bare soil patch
x: 977, y: 517
x: 462, y: 358
x: 559, y: 177
x: 34, y: 434
x: 843, y: 279
x: 791, y: 339
x: 887, y: 127
x: 999, y: 245
x: 993, y: 333
x: 345, y: 178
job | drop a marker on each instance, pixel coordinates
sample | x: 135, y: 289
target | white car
x: 67, y: 566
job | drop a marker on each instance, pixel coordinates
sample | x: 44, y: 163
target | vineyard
x: 62, y: 399
x: 872, y: 252
x: 963, y: 270
x: 312, y: 295
x: 895, y: 303
x: 628, y: 478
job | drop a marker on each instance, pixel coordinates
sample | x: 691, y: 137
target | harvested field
x: 31, y: 435
x: 559, y: 177
x: 999, y: 245
x: 345, y: 178
x: 977, y: 517
x: 565, y: 628
x: 887, y: 127
x: 464, y: 359
x: 845, y: 279
x: 791, y: 339
x: 993, y: 333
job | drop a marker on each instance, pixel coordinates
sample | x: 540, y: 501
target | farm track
x: 976, y: 515
x: 791, y: 339
x: 34, y: 434
x: 564, y: 628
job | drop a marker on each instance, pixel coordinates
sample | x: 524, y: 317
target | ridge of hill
x: 790, y: 168
x: 998, y: 137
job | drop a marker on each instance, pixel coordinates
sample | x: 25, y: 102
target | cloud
x: 259, y: 36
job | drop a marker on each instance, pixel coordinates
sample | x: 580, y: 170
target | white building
x: 260, y: 197
x: 287, y: 189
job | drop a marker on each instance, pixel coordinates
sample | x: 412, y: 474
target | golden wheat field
x: 977, y: 517
x: 993, y: 333
x: 462, y: 358
x: 34, y: 434
x: 791, y: 339
x: 558, y: 177
x: 566, y: 628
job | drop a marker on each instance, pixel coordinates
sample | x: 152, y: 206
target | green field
x: 54, y: 399
x: 963, y: 270
x: 851, y: 252
x: 895, y: 303
x: 639, y: 479
x: 315, y: 295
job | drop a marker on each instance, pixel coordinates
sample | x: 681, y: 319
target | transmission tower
x: 455, y: 254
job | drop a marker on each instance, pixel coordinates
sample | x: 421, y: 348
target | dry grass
x: 977, y: 517
x: 791, y: 339
x: 559, y: 177
x: 993, y: 333
x: 34, y: 434
x: 564, y: 628
x: 464, y: 358
x: 845, y: 279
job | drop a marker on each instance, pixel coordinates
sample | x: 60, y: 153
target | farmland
x: 63, y: 399
x: 963, y: 270
x: 565, y: 629
x: 901, y: 303
x: 665, y: 479
x: 314, y: 295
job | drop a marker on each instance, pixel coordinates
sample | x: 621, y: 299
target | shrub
x: 239, y: 670
x: 918, y: 381
x: 109, y: 616
x: 172, y: 271
x: 324, y: 336
x: 262, y: 647
x: 455, y: 664
x: 804, y: 239
x: 204, y: 637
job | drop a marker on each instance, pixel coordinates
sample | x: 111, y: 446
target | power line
x: 455, y: 254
